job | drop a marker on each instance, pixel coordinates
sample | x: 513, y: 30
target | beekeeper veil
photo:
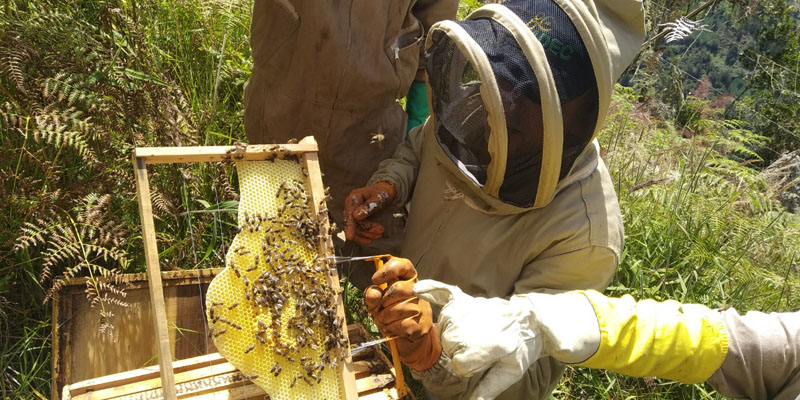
x: 520, y: 89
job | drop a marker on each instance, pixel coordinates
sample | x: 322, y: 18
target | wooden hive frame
x: 306, y: 150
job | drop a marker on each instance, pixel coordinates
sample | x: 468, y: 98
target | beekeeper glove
x: 398, y: 312
x: 360, y: 204
x: 505, y: 337
x: 416, y: 104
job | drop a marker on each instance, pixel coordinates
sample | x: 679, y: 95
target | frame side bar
x: 311, y: 162
x: 154, y: 276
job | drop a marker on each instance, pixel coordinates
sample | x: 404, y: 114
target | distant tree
x: 748, y: 55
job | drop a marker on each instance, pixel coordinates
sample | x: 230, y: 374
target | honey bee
x: 276, y: 369
x: 377, y: 138
x: 249, y: 349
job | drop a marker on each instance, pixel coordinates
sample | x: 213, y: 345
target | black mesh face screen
x: 566, y: 54
x: 520, y: 98
x: 460, y: 115
x: 572, y: 71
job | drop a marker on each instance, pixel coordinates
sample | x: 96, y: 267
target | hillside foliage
x: 82, y: 83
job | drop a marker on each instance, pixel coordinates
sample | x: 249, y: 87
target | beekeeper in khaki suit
x: 753, y: 356
x: 334, y: 69
x: 508, y: 193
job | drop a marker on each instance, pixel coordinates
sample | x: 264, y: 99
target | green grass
x: 83, y: 83
x: 25, y: 349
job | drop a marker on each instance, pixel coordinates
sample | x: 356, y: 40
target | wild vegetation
x: 81, y: 85
x: 84, y: 82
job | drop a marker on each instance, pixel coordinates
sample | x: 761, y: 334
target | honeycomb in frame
x: 271, y: 310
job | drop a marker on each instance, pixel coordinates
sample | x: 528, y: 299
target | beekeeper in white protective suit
x: 754, y: 356
x: 508, y: 193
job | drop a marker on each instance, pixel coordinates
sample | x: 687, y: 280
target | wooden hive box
x: 88, y: 364
x: 81, y: 352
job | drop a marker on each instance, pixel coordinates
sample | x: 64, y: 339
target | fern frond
x: 11, y: 120
x: 228, y: 189
x: 111, y: 288
x: 115, y: 301
x: 161, y: 203
x: 32, y: 234
x: 13, y: 58
x: 80, y: 241
x: 74, y: 90
x: 66, y: 127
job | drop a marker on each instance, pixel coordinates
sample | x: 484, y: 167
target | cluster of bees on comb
x: 276, y: 151
x: 294, y: 306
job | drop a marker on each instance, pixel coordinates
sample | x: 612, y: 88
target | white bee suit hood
x: 506, y: 83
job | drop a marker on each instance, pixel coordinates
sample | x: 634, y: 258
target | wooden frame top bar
x: 193, y: 154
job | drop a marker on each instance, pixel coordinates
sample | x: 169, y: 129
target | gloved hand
x: 506, y: 337
x: 398, y: 312
x: 480, y: 334
x: 416, y: 104
x: 360, y: 204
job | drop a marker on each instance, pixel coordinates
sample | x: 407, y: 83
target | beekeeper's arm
x: 763, y: 360
x: 392, y: 182
x: 683, y: 342
x: 590, y: 267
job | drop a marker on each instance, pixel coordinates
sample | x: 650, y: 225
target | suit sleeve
x: 763, y: 360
